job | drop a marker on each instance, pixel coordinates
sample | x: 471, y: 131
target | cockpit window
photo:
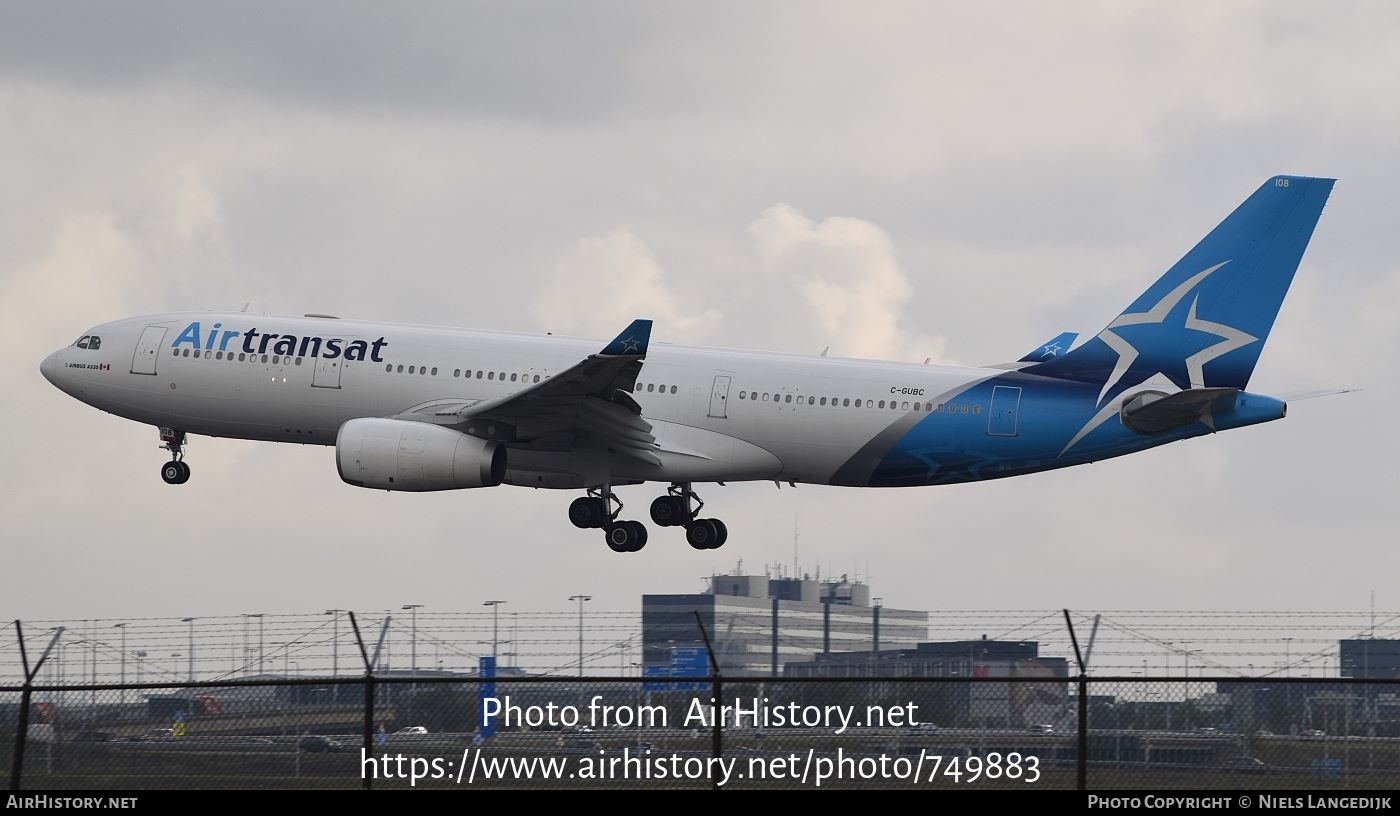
x: 95, y: 343
x: 82, y: 341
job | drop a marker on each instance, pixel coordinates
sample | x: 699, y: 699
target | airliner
x: 418, y: 408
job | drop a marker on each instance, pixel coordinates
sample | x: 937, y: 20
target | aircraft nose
x: 50, y: 368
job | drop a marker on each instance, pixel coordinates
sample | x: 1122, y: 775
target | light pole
x: 413, y: 637
x: 259, y: 616
x: 580, y: 599
x: 335, y: 640
x: 122, y: 626
x: 190, y: 621
x: 495, y: 624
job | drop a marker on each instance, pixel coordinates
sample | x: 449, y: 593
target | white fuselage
x: 717, y: 414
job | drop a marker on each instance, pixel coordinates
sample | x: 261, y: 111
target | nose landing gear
x: 675, y: 510
x: 175, y: 471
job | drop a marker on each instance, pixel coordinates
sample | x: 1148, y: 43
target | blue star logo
x: 1052, y: 350
x: 630, y: 345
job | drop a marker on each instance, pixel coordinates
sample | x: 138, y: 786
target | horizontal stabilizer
x: 1154, y: 412
x: 1294, y: 396
x: 1052, y: 348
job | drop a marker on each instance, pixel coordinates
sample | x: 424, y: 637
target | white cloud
x: 844, y: 271
x: 606, y: 281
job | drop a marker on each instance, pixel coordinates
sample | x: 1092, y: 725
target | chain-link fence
x: 705, y: 732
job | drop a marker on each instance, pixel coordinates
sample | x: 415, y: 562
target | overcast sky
x: 949, y: 180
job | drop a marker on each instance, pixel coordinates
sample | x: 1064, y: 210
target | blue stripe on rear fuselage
x: 949, y: 448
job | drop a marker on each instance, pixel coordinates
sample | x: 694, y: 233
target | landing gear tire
x: 669, y: 511
x: 723, y: 533
x: 588, y: 512
x: 702, y: 534
x: 174, y: 472
x: 626, y: 536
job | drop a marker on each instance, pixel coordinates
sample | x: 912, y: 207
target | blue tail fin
x: 1204, y: 323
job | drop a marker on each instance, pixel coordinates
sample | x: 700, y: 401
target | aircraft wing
x: 592, y: 398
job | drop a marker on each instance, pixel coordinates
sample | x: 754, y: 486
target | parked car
x: 1246, y: 765
x: 412, y: 729
x: 314, y: 744
x: 1313, y: 732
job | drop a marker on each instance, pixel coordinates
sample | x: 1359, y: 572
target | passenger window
x: 976, y: 409
x: 651, y: 387
x: 673, y: 389
x: 298, y: 361
x: 95, y: 343
x: 765, y: 396
x: 939, y: 409
x: 422, y: 370
x: 174, y: 352
x: 882, y: 403
x: 904, y: 406
x: 218, y: 355
x: 389, y: 368
x: 512, y: 378
x: 918, y: 406
x: 503, y: 376
x: 434, y: 371
x: 846, y: 403
x: 537, y: 378
x: 400, y: 368
x: 741, y: 394
x: 242, y: 356
x: 857, y: 402
x: 187, y: 352
x: 412, y: 369
x: 478, y: 373
x: 264, y: 357
x: 490, y: 375
x: 638, y: 389
x: 964, y: 408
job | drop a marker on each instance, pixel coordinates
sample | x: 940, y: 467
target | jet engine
x: 394, y: 454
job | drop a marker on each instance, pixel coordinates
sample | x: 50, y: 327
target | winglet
x: 1055, y: 347
x: 632, y: 342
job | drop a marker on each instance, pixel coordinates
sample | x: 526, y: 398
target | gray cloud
x: 1031, y: 168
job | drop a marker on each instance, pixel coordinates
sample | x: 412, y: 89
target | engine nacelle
x: 393, y: 454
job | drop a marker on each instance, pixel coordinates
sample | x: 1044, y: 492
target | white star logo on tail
x: 1231, y: 338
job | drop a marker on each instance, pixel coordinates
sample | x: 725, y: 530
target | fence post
x: 716, y: 702
x: 25, y: 701
x: 367, y: 743
x: 1082, y: 719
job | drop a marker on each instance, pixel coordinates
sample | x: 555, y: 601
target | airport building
x: 757, y: 623
x: 984, y: 704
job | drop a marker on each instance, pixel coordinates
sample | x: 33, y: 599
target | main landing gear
x: 596, y: 511
x: 175, y: 471
x: 674, y: 510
